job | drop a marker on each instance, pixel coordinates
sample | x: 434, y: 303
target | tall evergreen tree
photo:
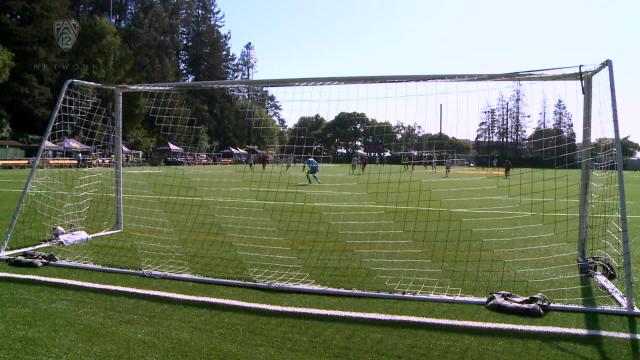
x: 206, y: 53
x: 562, y: 119
x: 562, y: 123
x: 27, y: 32
x: 543, y: 120
x: 153, y: 37
x: 247, y: 61
x: 502, y: 131
x: 517, y: 120
x: 486, y: 132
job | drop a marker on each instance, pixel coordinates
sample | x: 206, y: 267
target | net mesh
x: 413, y: 195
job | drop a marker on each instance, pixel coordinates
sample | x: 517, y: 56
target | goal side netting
x: 441, y: 186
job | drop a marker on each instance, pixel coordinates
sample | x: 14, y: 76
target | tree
x: 31, y: 88
x: 407, y: 137
x: 205, y: 52
x: 629, y: 148
x: 543, y: 121
x: 517, y: 119
x: 100, y: 50
x: 502, y: 129
x: 153, y: 36
x: 345, y: 131
x: 565, y: 143
x: 544, y: 143
x: 486, y: 132
x: 247, y: 62
x: 603, y: 147
x: 562, y: 119
x: 6, y: 63
x: 378, y: 136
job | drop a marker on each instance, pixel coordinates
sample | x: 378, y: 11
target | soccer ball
x: 57, y: 231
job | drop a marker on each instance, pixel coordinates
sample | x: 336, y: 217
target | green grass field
x: 326, y: 225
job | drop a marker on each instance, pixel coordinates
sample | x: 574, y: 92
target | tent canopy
x: 74, y: 145
x: 171, y: 147
x: 254, y: 150
x: 234, y: 151
x: 48, y: 145
x: 126, y: 150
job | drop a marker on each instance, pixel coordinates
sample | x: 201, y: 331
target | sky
x: 307, y: 38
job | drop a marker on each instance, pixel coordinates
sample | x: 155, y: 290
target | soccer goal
x: 120, y: 183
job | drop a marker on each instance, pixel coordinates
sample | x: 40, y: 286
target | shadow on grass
x: 635, y: 350
x: 562, y: 343
x: 592, y: 320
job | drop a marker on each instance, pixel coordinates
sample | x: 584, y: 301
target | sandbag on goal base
x: 504, y: 301
x: 32, y: 259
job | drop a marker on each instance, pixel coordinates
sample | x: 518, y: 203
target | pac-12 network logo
x: 66, y: 33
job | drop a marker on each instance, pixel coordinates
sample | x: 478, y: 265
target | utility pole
x: 440, y: 119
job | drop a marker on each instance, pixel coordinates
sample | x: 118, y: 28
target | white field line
x: 405, y: 269
x: 370, y: 232
x: 361, y: 222
x: 249, y: 227
x: 501, y: 217
x: 507, y: 198
x: 312, y: 192
x: 140, y: 171
x: 371, y: 205
x: 235, y: 208
x: 364, y: 204
x: 542, y: 257
x: 255, y: 237
x: 520, y: 237
x: 460, y: 179
x: 389, y: 251
x: 262, y: 246
x: 379, y: 241
x: 268, y: 255
x: 529, y: 248
x: 351, y: 212
x: 338, y: 184
x: 398, y: 260
x: 465, y: 189
x: 507, y: 228
x: 549, y: 330
x: 242, y: 217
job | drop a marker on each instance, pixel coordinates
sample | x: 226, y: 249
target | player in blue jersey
x: 313, y: 169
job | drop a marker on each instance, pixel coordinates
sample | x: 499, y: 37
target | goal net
x: 210, y: 181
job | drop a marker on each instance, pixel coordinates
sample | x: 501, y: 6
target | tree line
x: 142, y: 41
x: 134, y: 41
x: 502, y: 132
x: 351, y: 132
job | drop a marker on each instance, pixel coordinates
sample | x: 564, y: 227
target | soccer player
x: 313, y: 169
x: 250, y: 161
x: 405, y: 162
x: 264, y: 160
x: 507, y: 168
x: 354, y: 163
x: 447, y: 167
x: 289, y: 162
x: 365, y: 161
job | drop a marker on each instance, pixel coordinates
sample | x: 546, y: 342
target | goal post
x: 47, y: 195
x: 125, y: 180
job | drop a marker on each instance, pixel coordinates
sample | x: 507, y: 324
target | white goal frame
x: 625, y: 297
